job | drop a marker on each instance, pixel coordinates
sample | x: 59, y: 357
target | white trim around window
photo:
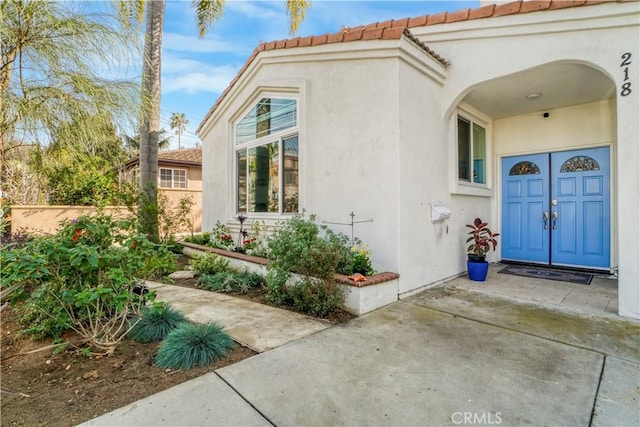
x: 471, y: 142
x: 174, y: 178
x: 266, y: 157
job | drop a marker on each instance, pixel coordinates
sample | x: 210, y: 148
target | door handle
x: 554, y: 219
x: 545, y: 218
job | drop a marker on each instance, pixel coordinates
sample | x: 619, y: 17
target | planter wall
x: 360, y: 297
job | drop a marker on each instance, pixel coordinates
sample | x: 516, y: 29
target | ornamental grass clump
x: 192, y: 345
x: 156, y: 323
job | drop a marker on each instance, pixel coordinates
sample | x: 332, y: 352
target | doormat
x: 547, y: 273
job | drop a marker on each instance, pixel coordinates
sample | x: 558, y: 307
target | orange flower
x: 77, y: 235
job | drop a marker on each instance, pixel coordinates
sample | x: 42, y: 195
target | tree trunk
x: 150, y: 130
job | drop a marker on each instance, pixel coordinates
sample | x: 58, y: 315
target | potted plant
x: 481, y: 241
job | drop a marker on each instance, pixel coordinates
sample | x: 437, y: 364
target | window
x: 580, y: 164
x: 267, y: 117
x: 267, y: 158
x: 472, y: 152
x: 173, y: 178
x: 524, y: 168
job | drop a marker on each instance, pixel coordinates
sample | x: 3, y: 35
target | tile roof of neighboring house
x: 185, y: 156
x: 396, y: 28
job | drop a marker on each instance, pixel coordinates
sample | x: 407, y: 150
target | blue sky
x: 195, y: 71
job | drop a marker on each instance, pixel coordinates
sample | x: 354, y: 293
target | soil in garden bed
x: 69, y: 388
x: 255, y: 294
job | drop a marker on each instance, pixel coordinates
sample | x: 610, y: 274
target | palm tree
x: 179, y: 122
x: 207, y: 12
x: 132, y: 143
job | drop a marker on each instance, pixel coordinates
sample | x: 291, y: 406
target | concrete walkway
x: 257, y: 326
x: 433, y: 359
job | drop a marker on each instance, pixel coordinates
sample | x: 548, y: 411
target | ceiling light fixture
x: 533, y: 96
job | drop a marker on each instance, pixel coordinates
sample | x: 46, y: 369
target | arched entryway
x: 553, y: 137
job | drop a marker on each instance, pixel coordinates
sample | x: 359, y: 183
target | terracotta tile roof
x: 187, y: 155
x: 394, y: 29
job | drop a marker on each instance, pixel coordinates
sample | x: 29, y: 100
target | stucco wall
x: 377, y: 136
x: 565, y: 129
x: 348, y: 147
x: 195, y: 178
x: 174, y: 197
x: 428, y: 252
x: 47, y: 218
x: 596, y: 36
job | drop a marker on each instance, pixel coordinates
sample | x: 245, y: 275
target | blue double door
x: 556, y: 208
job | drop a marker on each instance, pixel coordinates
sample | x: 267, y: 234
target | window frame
x: 173, y: 181
x: 456, y: 185
x: 472, y: 145
x: 279, y: 137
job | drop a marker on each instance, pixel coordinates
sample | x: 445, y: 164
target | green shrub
x: 300, y: 245
x: 359, y: 262
x: 156, y: 323
x: 193, y: 345
x: 42, y: 315
x: 84, y: 276
x: 162, y: 260
x: 251, y: 279
x: 174, y: 218
x: 316, y: 297
x: 316, y: 252
x: 200, y: 239
x: 230, y: 281
x: 209, y: 264
x: 276, y: 286
x: 223, y: 281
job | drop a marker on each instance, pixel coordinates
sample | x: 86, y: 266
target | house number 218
x: 626, y: 86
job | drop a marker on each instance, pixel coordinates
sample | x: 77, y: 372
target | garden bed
x: 253, y: 294
x: 360, y: 297
x: 68, y: 388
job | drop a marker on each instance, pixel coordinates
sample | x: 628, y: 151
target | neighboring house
x: 179, y: 176
x: 524, y: 114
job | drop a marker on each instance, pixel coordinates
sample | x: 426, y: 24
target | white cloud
x: 172, y: 64
x: 182, y: 43
x: 263, y: 10
x: 213, y: 80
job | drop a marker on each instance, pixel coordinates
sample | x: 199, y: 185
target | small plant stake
x: 242, y: 235
x: 352, y: 223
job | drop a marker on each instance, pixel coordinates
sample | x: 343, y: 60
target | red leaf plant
x: 481, y: 239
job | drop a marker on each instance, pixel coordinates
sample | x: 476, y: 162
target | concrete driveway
x: 415, y: 364
x: 408, y: 365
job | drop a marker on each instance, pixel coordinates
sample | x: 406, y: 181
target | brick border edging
x: 338, y: 278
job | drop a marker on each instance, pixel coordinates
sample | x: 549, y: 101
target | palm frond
x: 130, y: 11
x: 207, y: 12
x: 296, y: 10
